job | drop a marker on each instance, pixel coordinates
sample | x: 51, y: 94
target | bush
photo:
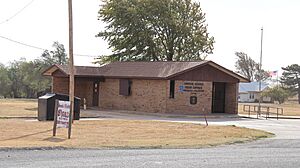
x: 277, y: 93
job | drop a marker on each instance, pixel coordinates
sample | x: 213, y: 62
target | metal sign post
x: 260, y: 72
x: 204, y: 112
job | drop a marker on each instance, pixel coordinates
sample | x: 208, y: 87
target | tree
x: 23, y: 79
x: 5, y: 82
x: 56, y: 56
x: 291, y: 79
x: 16, y: 77
x: 33, y: 80
x: 247, y: 67
x: 151, y: 30
x: 277, y: 93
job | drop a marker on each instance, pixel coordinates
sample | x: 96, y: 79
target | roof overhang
x: 49, y: 71
x: 219, y: 67
x: 229, y: 72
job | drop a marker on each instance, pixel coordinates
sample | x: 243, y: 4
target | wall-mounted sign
x: 196, y: 87
x: 181, y: 88
x: 193, y: 100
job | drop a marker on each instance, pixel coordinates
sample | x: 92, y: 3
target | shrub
x: 277, y: 93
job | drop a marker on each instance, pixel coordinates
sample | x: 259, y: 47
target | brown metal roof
x: 78, y: 70
x: 149, y: 70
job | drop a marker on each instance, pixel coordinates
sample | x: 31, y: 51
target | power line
x: 43, y: 49
x: 18, y: 12
x: 28, y: 45
x: 83, y: 55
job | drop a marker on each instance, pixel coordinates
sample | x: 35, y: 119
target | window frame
x: 172, y: 89
x: 125, y: 87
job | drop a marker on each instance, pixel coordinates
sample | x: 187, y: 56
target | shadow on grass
x: 31, y: 109
x: 54, y: 139
x: 28, y: 135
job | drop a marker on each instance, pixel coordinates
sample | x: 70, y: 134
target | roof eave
x: 215, y: 65
x: 229, y: 72
x: 187, y: 70
x: 44, y: 73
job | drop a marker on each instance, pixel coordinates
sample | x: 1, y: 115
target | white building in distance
x: 249, y: 92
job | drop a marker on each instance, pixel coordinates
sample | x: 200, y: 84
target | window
x: 125, y: 87
x: 251, y: 95
x: 172, y: 89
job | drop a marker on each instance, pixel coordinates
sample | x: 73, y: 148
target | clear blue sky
x: 235, y: 24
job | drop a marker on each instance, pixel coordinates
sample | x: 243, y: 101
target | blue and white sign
x: 181, y: 88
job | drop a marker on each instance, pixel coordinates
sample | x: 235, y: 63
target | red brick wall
x: 231, y: 99
x: 153, y: 96
x: 181, y: 102
x: 146, y: 96
x: 83, y: 88
x: 60, y: 85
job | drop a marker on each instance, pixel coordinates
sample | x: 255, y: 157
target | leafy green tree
x: 247, y: 67
x: 5, y: 82
x: 23, y: 79
x: 291, y: 79
x: 56, y: 56
x: 277, y: 93
x: 26, y: 78
x: 152, y: 30
x: 15, y: 75
x: 33, y: 81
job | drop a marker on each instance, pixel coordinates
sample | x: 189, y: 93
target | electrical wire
x: 18, y: 12
x: 43, y: 49
x: 84, y: 55
x: 28, y: 45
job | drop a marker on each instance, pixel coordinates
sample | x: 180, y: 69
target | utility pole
x: 71, y: 68
x: 260, y: 71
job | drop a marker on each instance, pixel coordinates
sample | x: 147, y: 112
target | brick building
x: 159, y: 87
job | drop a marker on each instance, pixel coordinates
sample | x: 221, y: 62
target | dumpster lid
x: 66, y: 95
x: 47, y: 96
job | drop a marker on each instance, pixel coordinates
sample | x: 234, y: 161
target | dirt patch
x: 122, y: 134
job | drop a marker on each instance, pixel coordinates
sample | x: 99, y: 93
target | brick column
x: 231, y: 98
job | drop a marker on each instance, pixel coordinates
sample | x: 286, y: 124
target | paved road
x: 268, y: 153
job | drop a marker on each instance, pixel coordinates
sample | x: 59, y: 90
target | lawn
x: 289, y: 108
x: 18, y: 108
x: 17, y: 133
x: 111, y: 133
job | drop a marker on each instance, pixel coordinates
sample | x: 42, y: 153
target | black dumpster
x: 46, y: 105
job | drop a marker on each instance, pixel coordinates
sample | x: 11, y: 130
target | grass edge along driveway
x: 122, y: 134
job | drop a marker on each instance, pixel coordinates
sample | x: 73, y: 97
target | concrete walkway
x: 282, y: 128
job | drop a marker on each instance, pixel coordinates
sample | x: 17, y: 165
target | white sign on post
x: 63, y: 114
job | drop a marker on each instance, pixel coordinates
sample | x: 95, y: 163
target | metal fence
x: 263, y: 110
